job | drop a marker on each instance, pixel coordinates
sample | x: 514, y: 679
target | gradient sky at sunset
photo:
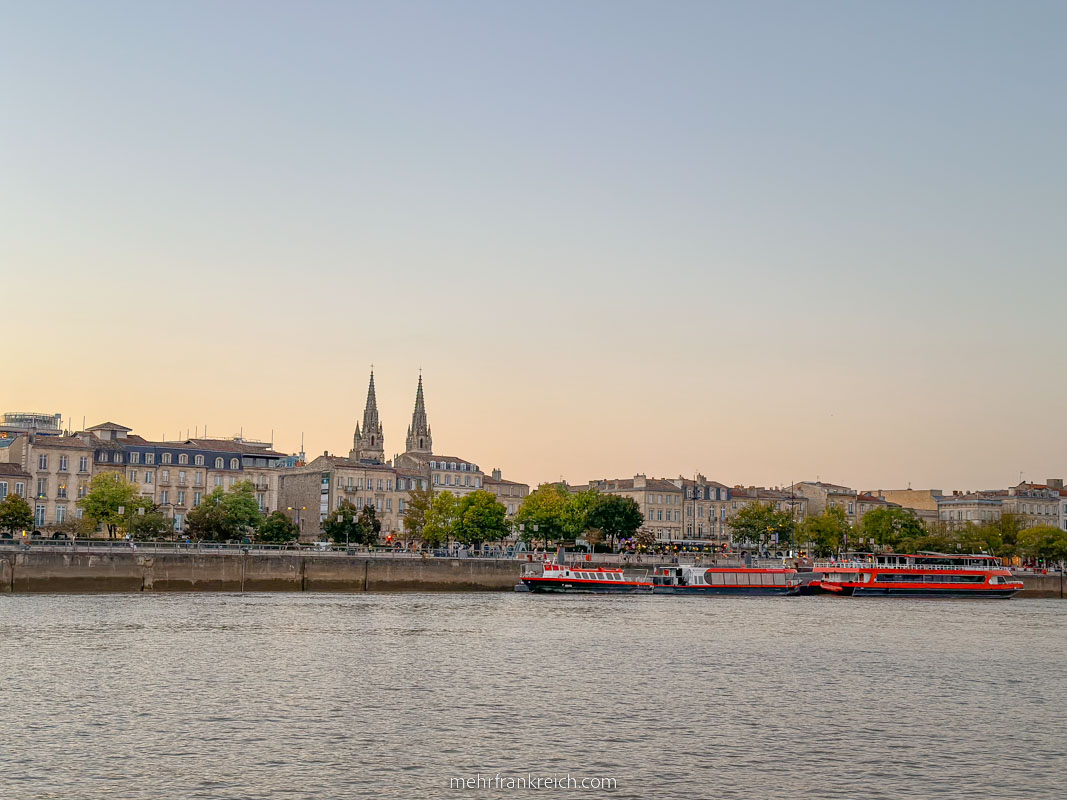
x: 764, y: 240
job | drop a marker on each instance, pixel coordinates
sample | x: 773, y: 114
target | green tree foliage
x: 616, y: 516
x: 890, y: 527
x: 226, y: 516
x: 153, y: 523
x: 15, y: 514
x: 341, y: 526
x: 440, y: 519
x: 576, y: 510
x: 369, y: 526
x: 826, y: 533
x: 109, y: 492
x: 1045, y: 543
x: 545, y: 507
x: 645, y: 539
x: 759, y: 523
x: 278, y: 529
x: 480, y: 517
x: 415, y: 511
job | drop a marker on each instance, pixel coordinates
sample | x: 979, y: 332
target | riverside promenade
x: 103, y: 566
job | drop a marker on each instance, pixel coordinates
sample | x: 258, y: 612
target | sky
x: 766, y: 241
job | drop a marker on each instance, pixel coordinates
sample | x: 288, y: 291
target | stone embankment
x: 40, y: 571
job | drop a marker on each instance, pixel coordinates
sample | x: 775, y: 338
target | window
x: 38, y: 516
x: 165, y: 458
x: 183, y: 458
x: 234, y: 464
x: 436, y: 479
x: 218, y: 480
x: 388, y: 504
x: 197, y: 497
x: 135, y: 458
x: 82, y: 489
x: 198, y: 479
x: 63, y: 466
x: 83, y: 464
x: 389, y: 484
x: 181, y: 477
x: 150, y: 458
x: 164, y: 497
x: 164, y: 475
x: 61, y: 514
x: 379, y: 484
x: 199, y: 461
x: 3, y: 489
x: 181, y: 498
x: 218, y: 463
x: 147, y: 477
x: 651, y: 514
x: 232, y: 482
x: 117, y: 458
x: 42, y: 487
x: 20, y: 489
x: 179, y: 521
x: 378, y: 504
x: 133, y: 476
x: 42, y: 462
x: 850, y: 508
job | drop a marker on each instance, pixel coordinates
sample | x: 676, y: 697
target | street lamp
x: 299, y: 522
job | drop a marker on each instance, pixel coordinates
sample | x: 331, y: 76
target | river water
x: 316, y: 697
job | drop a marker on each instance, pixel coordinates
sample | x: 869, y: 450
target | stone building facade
x: 509, y: 493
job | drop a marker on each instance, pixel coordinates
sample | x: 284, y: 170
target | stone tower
x: 368, y: 444
x: 419, y: 438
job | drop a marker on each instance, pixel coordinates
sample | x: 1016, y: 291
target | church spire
x: 419, y: 438
x: 368, y: 444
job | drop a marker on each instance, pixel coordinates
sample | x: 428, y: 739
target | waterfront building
x: 660, y: 502
x: 923, y: 502
x: 855, y: 504
x: 308, y: 494
x: 796, y: 505
x: 1034, y: 503
x: 177, y: 475
x: 706, y: 509
x: 60, y: 468
x: 509, y: 493
x: 13, y: 480
x: 965, y: 508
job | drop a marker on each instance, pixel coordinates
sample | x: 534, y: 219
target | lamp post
x: 299, y: 522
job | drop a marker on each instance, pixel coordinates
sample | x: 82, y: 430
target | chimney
x: 640, y: 481
x: 1054, y: 483
x: 496, y: 473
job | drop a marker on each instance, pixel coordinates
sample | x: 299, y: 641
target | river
x: 316, y: 697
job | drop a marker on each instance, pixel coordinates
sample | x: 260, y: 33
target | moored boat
x: 578, y: 579
x: 921, y: 575
x: 691, y: 579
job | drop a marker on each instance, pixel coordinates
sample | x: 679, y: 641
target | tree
x: 827, y: 532
x: 152, y: 524
x: 15, y: 514
x: 645, y: 539
x: 278, y: 529
x: 1045, y: 543
x: 889, y: 527
x: 595, y: 537
x: 480, y: 517
x: 369, y: 526
x: 545, y: 508
x: 576, y: 510
x: 617, y: 516
x: 414, y: 516
x: 761, y: 523
x: 341, y: 526
x: 440, y: 519
x: 109, y: 492
x: 224, y: 516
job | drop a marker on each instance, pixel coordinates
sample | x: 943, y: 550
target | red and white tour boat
x: 921, y: 575
x: 690, y: 579
x: 575, y: 578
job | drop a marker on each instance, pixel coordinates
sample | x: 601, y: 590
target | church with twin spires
x: 457, y: 475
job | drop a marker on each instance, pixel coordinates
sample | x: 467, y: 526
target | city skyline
x: 764, y: 241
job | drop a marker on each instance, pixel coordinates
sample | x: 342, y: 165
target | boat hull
x: 889, y: 591
x: 554, y: 586
x: 745, y: 591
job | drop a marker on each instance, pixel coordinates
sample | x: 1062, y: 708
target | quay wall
x: 121, y: 571
x: 37, y: 571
